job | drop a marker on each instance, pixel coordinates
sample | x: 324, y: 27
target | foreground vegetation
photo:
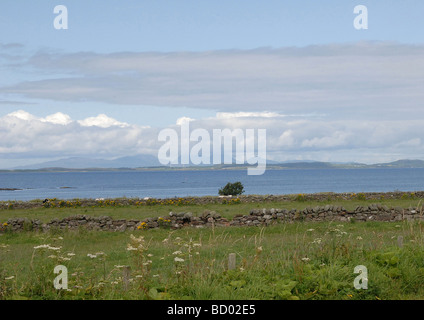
x: 284, y: 261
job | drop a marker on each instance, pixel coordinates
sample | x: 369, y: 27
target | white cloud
x: 264, y: 114
x: 183, y: 120
x: 27, y: 136
x: 102, y: 121
x: 58, y: 118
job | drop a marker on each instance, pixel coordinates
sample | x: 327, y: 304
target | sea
x: 187, y: 183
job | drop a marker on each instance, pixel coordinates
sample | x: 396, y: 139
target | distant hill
x: 145, y: 162
x: 401, y: 164
x: 84, y: 163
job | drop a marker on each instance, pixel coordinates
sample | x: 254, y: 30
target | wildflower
x: 176, y: 259
x: 54, y: 248
x: 177, y: 252
x: 92, y: 256
x: 71, y: 254
x: 305, y: 259
x: 9, y: 278
x: 317, y: 241
x: 43, y: 246
x: 359, y: 238
x: 310, y: 230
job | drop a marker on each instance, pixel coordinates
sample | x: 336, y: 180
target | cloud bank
x: 288, y: 138
x: 347, y: 102
x: 373, y: 80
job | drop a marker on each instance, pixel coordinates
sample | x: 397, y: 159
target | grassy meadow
x: 289, y: 261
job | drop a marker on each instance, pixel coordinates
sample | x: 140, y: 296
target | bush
x: 231, y: 189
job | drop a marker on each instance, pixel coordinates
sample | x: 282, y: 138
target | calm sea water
x: 164, y: 184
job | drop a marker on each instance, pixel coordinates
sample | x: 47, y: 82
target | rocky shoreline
x: 324, y: 196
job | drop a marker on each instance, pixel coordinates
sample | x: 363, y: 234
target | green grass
x: 226, y: 210
x: 284, y: 261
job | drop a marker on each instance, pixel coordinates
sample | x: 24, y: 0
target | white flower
x: 71, y: 254
x: 305, y: 259
x: 310, y: 230
x: 92, y: 256
x: 43, y: 246
x: 177, y: 252
x: 54, y: 248
x: 359, y: 238
x: 9, y: 278
x: 176, y: 259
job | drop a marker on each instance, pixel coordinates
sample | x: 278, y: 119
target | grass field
x: 284, y: 261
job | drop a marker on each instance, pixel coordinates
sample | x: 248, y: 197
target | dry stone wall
x: 256, y: 217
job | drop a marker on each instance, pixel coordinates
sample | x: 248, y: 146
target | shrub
x: 231, y: 189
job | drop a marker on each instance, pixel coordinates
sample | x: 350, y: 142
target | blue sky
x: 150, y: 63
x: 190, y: 25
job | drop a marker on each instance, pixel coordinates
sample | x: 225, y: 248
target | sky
x: 123, y: 71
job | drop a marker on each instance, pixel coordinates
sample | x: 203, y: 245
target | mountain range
x: 149, y: 161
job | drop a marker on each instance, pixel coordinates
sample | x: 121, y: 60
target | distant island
x: 406, y: 163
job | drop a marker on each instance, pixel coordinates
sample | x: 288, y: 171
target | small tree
x: 233, y: 189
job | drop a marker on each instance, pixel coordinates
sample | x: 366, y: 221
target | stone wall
x: 256, y: 217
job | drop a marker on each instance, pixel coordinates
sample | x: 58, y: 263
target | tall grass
x: 284, y: 261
